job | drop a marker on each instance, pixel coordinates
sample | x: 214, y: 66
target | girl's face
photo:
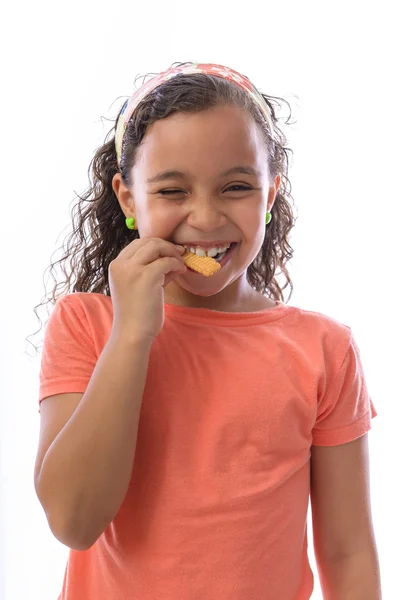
x: 203, y: 203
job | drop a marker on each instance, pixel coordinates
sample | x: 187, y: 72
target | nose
x: 206, y: 215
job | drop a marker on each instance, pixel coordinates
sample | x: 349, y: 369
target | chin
x: 201, y: 292
x: 205, y: 294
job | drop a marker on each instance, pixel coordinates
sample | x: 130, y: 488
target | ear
x: 273, y: 190
x: 124, y: 196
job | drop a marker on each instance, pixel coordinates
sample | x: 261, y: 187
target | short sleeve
x: 345, y: 411
x: 68, y: 355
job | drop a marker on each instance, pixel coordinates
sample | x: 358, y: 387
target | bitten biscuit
x: 205, y: 265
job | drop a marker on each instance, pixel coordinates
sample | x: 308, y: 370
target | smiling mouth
x: 221, y: 255
x: 210, y: 252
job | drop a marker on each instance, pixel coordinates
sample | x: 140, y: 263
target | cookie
x: 205, y: 265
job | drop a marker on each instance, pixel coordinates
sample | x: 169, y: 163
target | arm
x: 344, y: 540
x: 84, y: 464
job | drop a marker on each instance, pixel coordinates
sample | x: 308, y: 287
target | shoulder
x: 83, y: 317
x: 323, y: 341
x: 322, y: 327
x: 82, y: 311
x: 84, y: 303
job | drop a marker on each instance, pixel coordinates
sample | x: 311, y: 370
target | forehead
x: 210, y: 139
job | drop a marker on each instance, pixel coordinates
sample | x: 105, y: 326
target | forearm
x: 354, y: 577
x: 86, y: 471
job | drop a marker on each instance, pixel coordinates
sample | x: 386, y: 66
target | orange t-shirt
x: 218, y: 499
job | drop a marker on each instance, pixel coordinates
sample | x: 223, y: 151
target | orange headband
x: 210, y: 69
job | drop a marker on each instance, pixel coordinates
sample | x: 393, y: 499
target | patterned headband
x: 211, y: 69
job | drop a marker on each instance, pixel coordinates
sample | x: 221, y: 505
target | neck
x: 236, y: 297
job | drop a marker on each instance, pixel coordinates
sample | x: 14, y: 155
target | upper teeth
x: 210, y: 252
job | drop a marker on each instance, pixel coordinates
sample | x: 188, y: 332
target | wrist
x: 130, y: 339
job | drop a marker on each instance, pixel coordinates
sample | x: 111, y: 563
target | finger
x: 173, y: 275
x: 155, y: 249
x: 133, y: 247
x: 167, y: 266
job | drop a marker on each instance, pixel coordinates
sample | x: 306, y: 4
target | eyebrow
x: 243, y: 169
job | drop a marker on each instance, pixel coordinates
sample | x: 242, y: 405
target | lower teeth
x: 219, y: 257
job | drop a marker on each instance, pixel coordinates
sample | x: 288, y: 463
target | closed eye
x: 241, y: 187
x: 166, y: 192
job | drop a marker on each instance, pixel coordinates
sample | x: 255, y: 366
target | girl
x: 186, y: 420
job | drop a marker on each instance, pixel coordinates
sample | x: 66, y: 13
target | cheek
x: 158, y: 221
x: 251, y: 210
x: 254, y: 233
x: 252, y: 223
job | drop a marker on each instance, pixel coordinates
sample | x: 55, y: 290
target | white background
x: 64, y: 66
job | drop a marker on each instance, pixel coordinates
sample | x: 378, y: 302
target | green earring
x: 130, y: 222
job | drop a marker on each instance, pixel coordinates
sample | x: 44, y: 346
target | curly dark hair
x: 99, y: 231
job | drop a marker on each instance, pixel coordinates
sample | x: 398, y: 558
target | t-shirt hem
x: 64, y: 387
x: 336, y: 437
